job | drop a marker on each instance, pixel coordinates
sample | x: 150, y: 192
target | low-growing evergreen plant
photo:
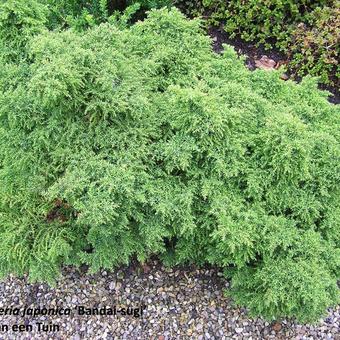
x: 130, y: 142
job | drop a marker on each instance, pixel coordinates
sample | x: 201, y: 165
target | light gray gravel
x: 181, y: 303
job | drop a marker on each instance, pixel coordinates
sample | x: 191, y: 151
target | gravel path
x: 178, y: 304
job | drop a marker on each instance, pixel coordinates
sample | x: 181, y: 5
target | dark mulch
x: 249, y: 49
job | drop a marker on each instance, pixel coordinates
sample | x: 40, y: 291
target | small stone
x: 277, y: 327
x: 284, y: 76
x: 146, y: 268
x: 265, y: 63
x: 238, y: 330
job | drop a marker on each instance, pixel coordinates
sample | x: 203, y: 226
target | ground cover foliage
x: 119, y: 142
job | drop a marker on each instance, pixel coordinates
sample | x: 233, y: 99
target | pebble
x: 284, y: 76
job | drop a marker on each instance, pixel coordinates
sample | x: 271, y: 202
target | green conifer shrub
x: 19, y: 20
x: 118, y: 143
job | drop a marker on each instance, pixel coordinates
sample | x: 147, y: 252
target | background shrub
x: 129, y: 142
x: 308, y: 31
x: 261, y: 20
x: 316, y: 44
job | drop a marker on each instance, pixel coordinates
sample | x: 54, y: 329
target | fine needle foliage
x: 130, y: 142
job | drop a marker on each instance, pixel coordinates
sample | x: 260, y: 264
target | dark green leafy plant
x: 316, y: 44
x: 261, y: 20
x: 129, y: 142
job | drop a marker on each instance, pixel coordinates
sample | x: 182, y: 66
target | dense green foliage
x: 19, y: 21
x: 307, y: 30
x: 122, y: 142
x: 79, y: 14
x: 261, y: 19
